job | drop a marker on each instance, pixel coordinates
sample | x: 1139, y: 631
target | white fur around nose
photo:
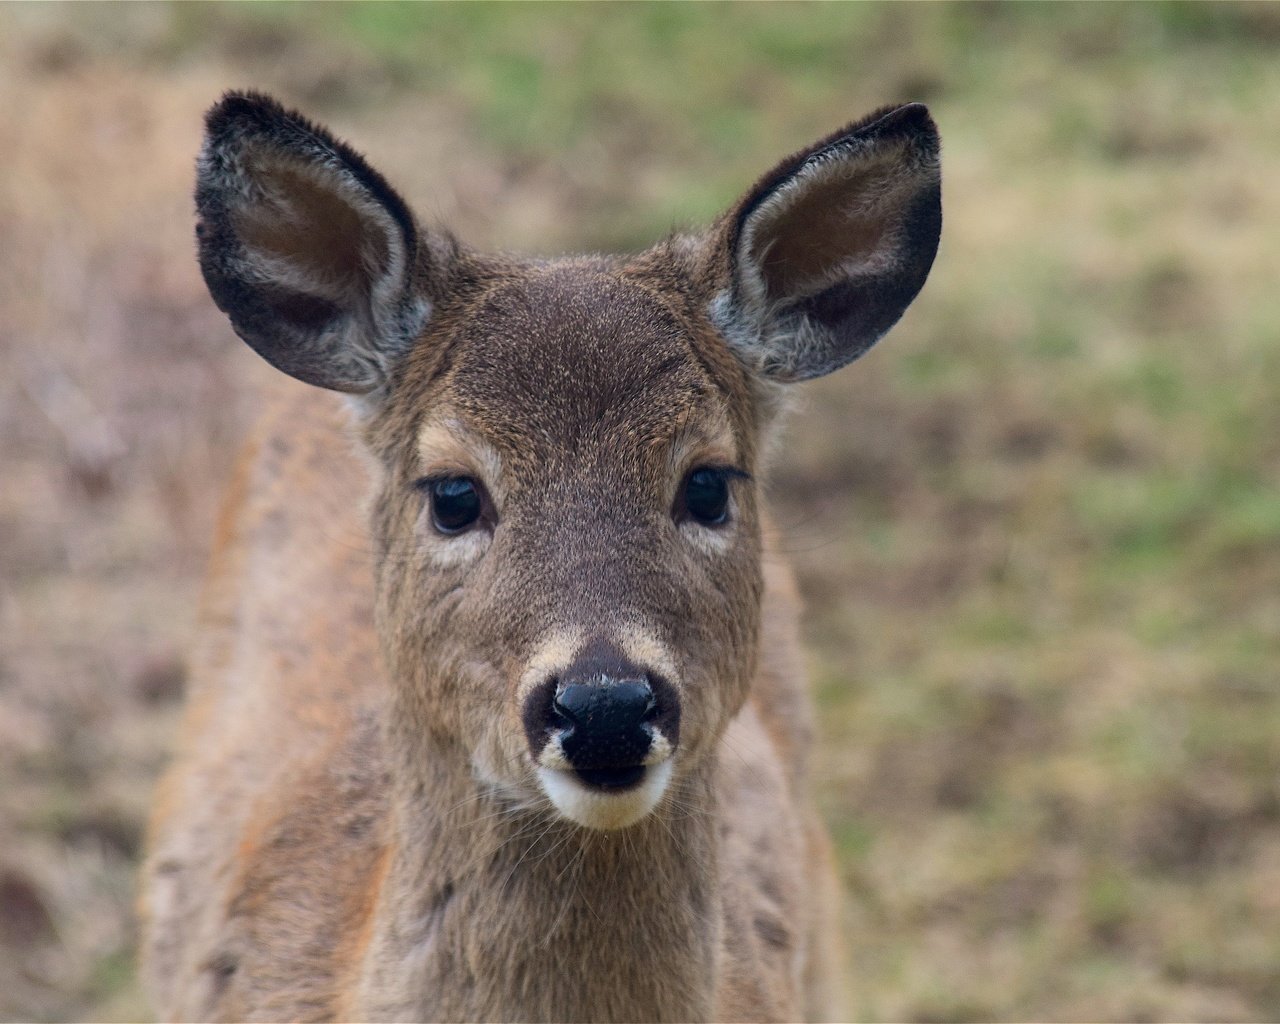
x: 593, y: 808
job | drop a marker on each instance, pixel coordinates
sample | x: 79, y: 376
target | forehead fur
x: 576, y: 353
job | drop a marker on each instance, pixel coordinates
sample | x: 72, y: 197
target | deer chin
x: 605, y: 808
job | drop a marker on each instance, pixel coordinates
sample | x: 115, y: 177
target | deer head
x: 568, y: 513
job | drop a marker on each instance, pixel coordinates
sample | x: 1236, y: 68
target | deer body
x: 505, y: 719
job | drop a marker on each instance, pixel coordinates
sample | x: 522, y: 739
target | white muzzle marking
x: 600, y: 809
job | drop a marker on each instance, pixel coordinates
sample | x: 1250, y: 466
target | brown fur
x: 352, y: 828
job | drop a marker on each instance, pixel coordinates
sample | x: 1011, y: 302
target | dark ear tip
x: 247, y: 111
x: 915, y: 113
x: 911, y: 121
x: 238, y: 105
x: 917, y: 117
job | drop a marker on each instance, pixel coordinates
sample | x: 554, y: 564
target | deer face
x: 579, y: 591
x: 567, y: 523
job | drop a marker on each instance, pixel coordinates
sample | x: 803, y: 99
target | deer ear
x: 305, y: 247
x: 828, y: 250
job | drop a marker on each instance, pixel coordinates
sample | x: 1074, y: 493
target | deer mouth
x: 606, y: 798
x: 611, y: 779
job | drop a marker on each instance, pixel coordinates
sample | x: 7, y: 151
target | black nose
x: 603, y: 722
x: 602, y: 712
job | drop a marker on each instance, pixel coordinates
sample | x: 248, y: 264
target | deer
x: 498, y: 709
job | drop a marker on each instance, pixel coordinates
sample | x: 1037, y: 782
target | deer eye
x: 705, y: 498
x: 456, y: 502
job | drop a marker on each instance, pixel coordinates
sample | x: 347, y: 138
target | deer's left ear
x: 829, y: 248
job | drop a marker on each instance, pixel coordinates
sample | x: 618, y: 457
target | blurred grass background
x: 1038, y: 530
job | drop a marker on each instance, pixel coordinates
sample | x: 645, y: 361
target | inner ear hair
x: 837, y: 224
x: 300, y: 227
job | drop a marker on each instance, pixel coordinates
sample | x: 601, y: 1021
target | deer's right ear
x: 828, y: 250
x: 305, y: 247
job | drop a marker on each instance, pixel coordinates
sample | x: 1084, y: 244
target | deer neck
x: 493, y: 912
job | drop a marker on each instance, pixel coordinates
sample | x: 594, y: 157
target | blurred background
x: 1037, y: 530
